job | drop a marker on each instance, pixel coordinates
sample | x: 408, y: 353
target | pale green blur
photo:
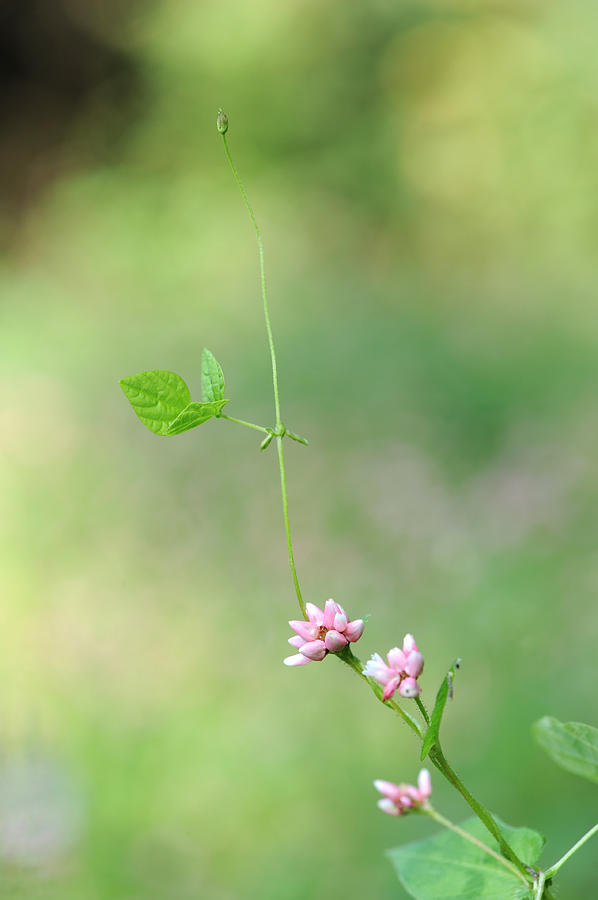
x: 425, y: 176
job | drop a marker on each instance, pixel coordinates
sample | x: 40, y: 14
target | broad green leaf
x: 157, y: 397
x: 572, y: 745
x: 448, y: 867
x: 195, y: 414
x: 212, y: 379
x: 431, y: 736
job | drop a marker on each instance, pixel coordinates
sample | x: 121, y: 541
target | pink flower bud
x: 391, y: 687
x: 424, y: 784
x: 414, y: 665
x: 297, y: 660
x: 340, y: 621
x: 354, y: 630
x: 306, y: 630
x: 408, y: 688
x: 409, y: 644
x: 388, y: 789
x: 330, y: 612
x: 396, y: 659
x: 335, y: 641
x: 314, y: 614
x: 389, y: 807
x: 296, y: 641
x: 315, y: 650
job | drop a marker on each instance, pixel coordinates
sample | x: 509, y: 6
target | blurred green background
x: 425, y: 177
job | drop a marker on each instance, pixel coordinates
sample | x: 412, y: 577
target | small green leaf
x: 266, y: 442
x: 195, y: 414
x: 572, y: 745
x: 444, y: 691
x: 448, y: 867
x: 157, y: 397
x: 212, y: 379
x: 298, y: 438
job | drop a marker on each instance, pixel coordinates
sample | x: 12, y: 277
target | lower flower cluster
x: 398, y: 799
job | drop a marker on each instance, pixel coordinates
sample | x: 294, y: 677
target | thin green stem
x: 260, y: 245
x: 243, y: 422
x: 429, y: 811
x: 347, y: 656
x: 438, y: 759
x: 423, y: 710
x: 554, y: 869
x: 279, y: 425
x: 287, y: 527
x: 539, y: 883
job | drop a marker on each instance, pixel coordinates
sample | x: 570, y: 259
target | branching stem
x: 429, y: 811
x: 279, y: 425
x: 586, y: 837
x: 438, y: 759
x: 243, y: 422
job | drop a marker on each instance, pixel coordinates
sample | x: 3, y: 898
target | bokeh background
x: 426, y: 178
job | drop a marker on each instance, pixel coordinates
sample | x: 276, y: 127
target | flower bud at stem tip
x: 222, y: 122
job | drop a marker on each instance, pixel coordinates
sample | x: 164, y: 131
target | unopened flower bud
x: 222, y: 122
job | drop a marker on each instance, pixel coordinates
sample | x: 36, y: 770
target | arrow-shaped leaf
x: 444, y: 691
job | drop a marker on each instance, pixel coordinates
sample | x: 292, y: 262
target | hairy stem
x: 429, y: 811
x: 586, y: 837
x: 279, y: 425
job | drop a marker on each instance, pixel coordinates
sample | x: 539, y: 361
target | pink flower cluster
x: 325, y: 631
x: 403, y: 669
x: 397, y: 799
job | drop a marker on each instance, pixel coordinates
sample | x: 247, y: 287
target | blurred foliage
x: 424, y: 174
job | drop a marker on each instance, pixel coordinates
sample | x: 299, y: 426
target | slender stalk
x: 260, y: 245
x: 429, y: 811
x: 554, y: 869
x: 243, y: 422
x: 423, y: 710
x: 539, y: 883
x: 438, y: 759
x: 347, y: 656
x: 287, y: 527
x: 279, y: 426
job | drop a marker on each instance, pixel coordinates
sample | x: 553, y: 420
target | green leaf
x: 195, y: 414
x: 157, y: 397
x: 572, y: 745
x: 266, y: 442
x: 444, y: 691
x: 212, y: 379
x: 448, y: 867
